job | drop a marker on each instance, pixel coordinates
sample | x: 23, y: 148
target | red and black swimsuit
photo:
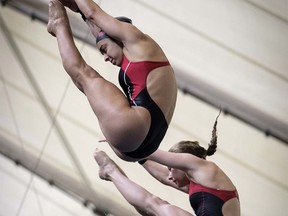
x: 208, y: 201
x: 132, y: 78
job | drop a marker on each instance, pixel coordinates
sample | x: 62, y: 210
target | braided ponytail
x: 212, y: 146
x: 193, y: 147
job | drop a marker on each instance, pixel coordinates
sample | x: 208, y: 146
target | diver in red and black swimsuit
x: 133, y: 123
x: 211, y: 192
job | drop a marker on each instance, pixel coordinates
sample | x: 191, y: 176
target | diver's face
x: 111, y: 51
x: 178, y: 177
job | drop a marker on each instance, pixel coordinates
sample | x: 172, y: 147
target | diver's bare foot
x: 70, y: 4
x: 57, y: 16
x: 106, y: 165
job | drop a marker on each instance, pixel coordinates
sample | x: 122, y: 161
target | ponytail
x: 193, y: 147
x: 212, y: 146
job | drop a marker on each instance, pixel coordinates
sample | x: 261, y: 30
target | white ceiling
x: 227, y: 53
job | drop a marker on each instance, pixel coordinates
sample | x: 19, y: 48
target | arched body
x: 131, y: 129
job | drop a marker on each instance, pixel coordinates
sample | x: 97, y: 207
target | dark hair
x: 124, y: 19
x: 102, y: 35
x: 193, y: 147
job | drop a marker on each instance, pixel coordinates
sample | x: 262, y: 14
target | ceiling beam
x: 203, y: 90
x: 64, y: 180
